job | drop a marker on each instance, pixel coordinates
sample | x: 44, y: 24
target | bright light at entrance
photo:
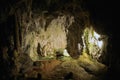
x: 100, y: 43
x: 92, y: 42
x: 97, y: 36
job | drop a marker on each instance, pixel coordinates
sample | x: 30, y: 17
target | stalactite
x: 16, y: 34
x: 20, y: 35
x: 19, y: 22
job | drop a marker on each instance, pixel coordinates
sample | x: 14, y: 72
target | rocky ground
x: 67, y: 68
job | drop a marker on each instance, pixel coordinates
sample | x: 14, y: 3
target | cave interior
x: 57, y: 40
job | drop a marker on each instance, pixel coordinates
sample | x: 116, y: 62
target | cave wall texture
x: 26, y: 25
x: 42, y: 19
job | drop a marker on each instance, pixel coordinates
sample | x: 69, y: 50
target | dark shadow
x: 39, y: 50
x: 68, y: 76
x: 39, y: 76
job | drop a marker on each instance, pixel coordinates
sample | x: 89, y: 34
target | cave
x: 58, y: 40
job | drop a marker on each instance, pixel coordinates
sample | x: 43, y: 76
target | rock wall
x: 44, y: 35
x: 43, y: 32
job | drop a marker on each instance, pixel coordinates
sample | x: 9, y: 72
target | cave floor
x: 67, y: 68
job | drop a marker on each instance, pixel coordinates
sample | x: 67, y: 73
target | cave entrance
x: 94, y: 44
